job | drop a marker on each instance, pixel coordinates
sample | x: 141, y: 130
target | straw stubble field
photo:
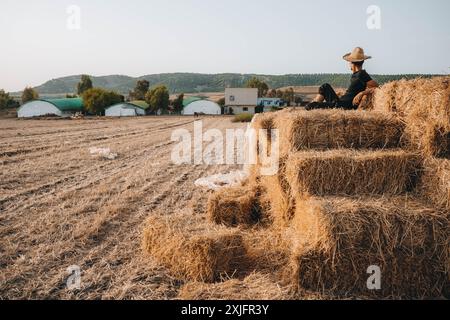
x: 355, y: 190
x: 60, y: 206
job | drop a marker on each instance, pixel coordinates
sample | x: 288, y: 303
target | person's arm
x: 372, y: 84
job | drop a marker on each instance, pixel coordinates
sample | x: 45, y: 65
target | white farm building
x: 241, y: 100
x: 127, y: 109
x: 54, y: 107
x: 201, y: 107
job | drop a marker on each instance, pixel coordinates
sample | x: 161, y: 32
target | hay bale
x: 348, y: 172
x: 237, y: 206
x: 336, y: 129
x: 367, y: 100
x: 276, y: 193
x: 192, y: 248
x: 424, y: 105
x: 335, y: 240
x: 264, y: 121
x: 254, y: 287
x: 268, y: 250
x: 435, y: 182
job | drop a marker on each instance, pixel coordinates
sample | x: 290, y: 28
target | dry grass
x: 254, y: 287
x: 192, y: 248
x: 61, y: 207
x: 424, y: 104
x: 347, y: 172
x: 337, y: 239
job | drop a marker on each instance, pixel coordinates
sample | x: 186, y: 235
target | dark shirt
x: 358, y: 85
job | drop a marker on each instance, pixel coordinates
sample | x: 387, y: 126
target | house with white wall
x: 241, y: 100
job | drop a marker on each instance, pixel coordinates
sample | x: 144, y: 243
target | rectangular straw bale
x: 435, y: 182
x: 347, y: 172
x: 336, y: 240
x: 192, y: 248
x: 424, y: 106
x: 276, y: 193
x: 236, y: 206
x: 335, y: 129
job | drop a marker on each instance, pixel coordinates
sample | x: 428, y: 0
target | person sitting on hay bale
x: 361, y: 84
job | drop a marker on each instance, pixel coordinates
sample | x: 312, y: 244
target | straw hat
x: 357, y: 55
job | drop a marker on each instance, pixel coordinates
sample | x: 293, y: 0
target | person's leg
x: 328, y: 93
x: 326, y: 99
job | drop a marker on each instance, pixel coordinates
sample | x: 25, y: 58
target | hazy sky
x: 138, y: 37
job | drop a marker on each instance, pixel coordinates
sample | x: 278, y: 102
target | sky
x: 42, y: 39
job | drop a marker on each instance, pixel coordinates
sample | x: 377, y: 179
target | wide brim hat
x: 357, y: 55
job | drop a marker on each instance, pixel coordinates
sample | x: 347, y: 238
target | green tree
x: 84, y: 85
x: 298, y: 100
x: 140, y: 90
x: 289, y: 96
x: 262, y: 87
x: 221, y: 102
x: 96, y: 100
x: 178, y: 103
x: 29, y: 94
x: 6, y: 101
x: 272, y: 93
x: 158, y: 99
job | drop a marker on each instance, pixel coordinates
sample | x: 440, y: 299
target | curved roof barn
x: 50, y: 107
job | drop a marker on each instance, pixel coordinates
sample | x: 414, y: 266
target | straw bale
x: 192, y: 248
x: 336, y: 240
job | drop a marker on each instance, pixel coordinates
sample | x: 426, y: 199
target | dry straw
x: 276, y: 194
x: 348, y: 172
x: 335, y: 129
x: 237, y: 206
x: 424, y: 105
x: 192, y: 248
x: 256, y: 286
x: 335, y: 240
x: 435, y: 182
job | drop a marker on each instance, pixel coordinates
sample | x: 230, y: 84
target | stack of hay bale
x: 354, y: 190
x: 357, y: 189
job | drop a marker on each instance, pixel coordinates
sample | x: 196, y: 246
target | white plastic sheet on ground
x: 219, y: 181
x: 103, y: 153
x: 226, y: 180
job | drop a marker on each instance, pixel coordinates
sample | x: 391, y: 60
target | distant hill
x: 198, y: 83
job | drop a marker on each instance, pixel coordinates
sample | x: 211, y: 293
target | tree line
x: 96, y: 100
x: 288, y: 96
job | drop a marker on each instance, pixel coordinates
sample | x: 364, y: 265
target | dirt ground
x: 60, y: 206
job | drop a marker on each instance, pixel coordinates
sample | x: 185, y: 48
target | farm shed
x: 127, y: 109
x: 50, y: 107
x: 203, y: 107
x: 241, y: 100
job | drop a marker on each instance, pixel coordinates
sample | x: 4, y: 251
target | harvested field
x: 60, y: 206
x: 254, y: 287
